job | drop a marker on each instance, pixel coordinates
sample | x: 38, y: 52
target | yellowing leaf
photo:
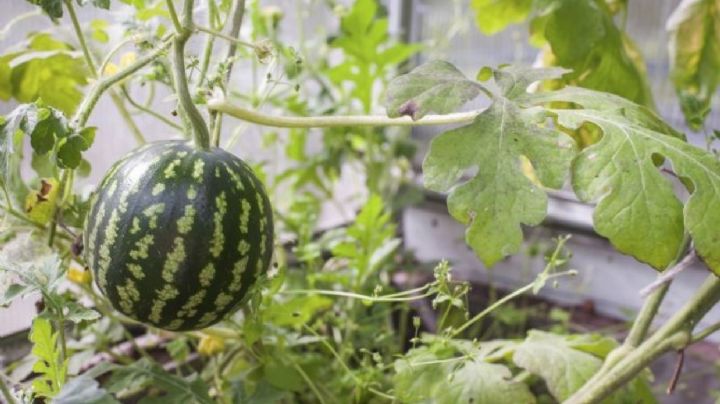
x: 40, y: 204
x: 695, y: 56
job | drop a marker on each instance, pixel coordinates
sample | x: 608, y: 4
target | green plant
x: 328, y: 323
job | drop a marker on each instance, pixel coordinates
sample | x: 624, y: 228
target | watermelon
x: 176, y: 236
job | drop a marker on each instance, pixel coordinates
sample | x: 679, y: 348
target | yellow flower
x: 110, y: 69
x: 210, y: 345
x: 127, y: 59
x: 79, y: 275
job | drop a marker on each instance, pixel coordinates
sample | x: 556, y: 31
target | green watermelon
x: 176, y: 236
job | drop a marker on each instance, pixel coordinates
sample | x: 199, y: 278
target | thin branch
x: 148, y: 111
x: 219, y: 104
x: 706, y: 332
x: 116, y: 48
x: 173, y: 16
x: 84, y: 110
x: 81, y: 38
x: 228, y: 38
x: 670, y: 274
x: 233, y: 32
x: 677, y: 372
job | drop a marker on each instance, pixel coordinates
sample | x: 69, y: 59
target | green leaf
x: 638, y: 209
x: 565, y: 363
x: 83, y: 389
x: 145, y: 373
x: 483, y: 383
x: 98, y: 30
x: 46, y: 68
x: 428, y: 374
x: 500, y: 198
x: 694, y: 29
x: 53, y: 8
x: 296, y: 311
x: 436, y: 86
x: 77, y: 313
x: 583, y: 37
x: 564, y: 369
x: 492, y: 16
x: 70, y: 151
x: 50, y: 368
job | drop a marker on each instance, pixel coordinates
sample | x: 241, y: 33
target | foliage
x: 695, y: 56
x: 43, y: 68
x: 641, y: 215
x: 50, y: 366
x: 345, y: 314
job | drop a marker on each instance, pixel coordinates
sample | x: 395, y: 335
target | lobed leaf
x: 637, y: 206
x: 429, y: 374
x: 496, y: 201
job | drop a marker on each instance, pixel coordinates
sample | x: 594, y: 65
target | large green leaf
x: 638, y: 209
x: 429, y: 375
x: 580, y: 35
x: 584, y: 38
x: 500, y: 198
x: 566, y: 362
x: 45, y: 68
x: 695, y: 56
x: 564, y: 369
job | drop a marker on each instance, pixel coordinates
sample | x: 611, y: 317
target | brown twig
x: 676, y: 372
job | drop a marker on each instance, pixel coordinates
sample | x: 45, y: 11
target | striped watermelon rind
x: 176, y: 236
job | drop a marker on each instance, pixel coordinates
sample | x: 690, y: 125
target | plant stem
x: 235, y: 24
x: 504, y: 300
x: 125, y: 115
x: 647, y: 313
x: 199, y: 128
x: 260, y: 118
x: 706, y: 332
x: 18, y: 19
x: 147, y: 110
x: 116, y: 49
x: 85, y: 109
x: 6, y: 390
x: 214, y: 33
x: 674, y: 334
x: 80, y: 36
x: 396, y: 297
x: 309, y: 381
x: 643, y: 321
x: 174, y: 17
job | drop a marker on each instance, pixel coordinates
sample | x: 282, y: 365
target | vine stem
x: 199, y: 128
x: 83, y: 112
x: 238, y: 12
x: 643, y: 321
x: 219, y: 104
x: 674, y: 334
x: 507, y: 298
x: 80, y: 36
x: 6, y: 390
